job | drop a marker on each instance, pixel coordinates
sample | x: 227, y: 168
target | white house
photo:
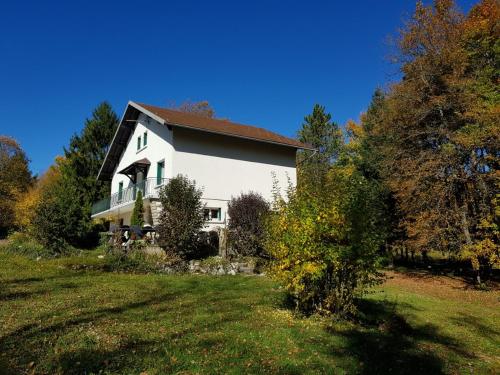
x: 152, y: 145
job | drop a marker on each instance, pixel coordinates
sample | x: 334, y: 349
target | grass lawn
x: 57, y: 316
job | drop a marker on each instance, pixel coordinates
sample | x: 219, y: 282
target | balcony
x: 149, y: 188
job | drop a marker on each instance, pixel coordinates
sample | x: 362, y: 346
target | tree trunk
x: 465, y: 225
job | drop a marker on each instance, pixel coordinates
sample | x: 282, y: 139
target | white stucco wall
x: 227, y: 166
x: 159, y: 147
x: 222, y: 166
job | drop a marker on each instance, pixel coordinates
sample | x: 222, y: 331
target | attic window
x: 139, y: 143
x: 145, y: 139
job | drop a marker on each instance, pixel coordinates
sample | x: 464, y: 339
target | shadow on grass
x: 382, y: 342
x: 35, y: 342
x: 385, y: 343
x: 477, y: 324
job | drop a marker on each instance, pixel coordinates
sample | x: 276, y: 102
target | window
x: 145, y: 139
x: 120, y: 191
x: 212, y: 214
x: 215, y: 213
x: 160, y: 171
x: 138, y: 143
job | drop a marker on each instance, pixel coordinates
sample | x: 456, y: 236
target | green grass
x: 71, y: 316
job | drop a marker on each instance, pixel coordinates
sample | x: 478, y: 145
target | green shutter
x: 145, y: 140
x: 160, y: 166
x: 138, y: 143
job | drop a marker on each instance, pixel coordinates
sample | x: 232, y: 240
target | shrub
x: 324, y: 244
x: 138, y: 212
x: 22, y: 244
x: 246, y: 224
x: 60, y: 221
x: 56, y: 219
x: 137, y: 261
x: 215, y: 265
x: 181, y: 218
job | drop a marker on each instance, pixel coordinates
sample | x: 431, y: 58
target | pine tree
x: 70, y: 200
x: 138, y: 212
x: 325, y: 136
x: 87, y: 151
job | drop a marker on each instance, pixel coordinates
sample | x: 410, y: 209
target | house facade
x: 225, y: 159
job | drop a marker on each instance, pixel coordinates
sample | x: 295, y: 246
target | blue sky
x: 257, y: 62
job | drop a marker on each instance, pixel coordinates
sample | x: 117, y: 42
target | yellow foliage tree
x: 26, y: 205
x: 324, y: 243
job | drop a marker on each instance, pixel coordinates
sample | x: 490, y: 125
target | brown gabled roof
x: 185, y: 120
x: 189, y: 120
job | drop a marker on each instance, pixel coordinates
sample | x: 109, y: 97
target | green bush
x: 181, y: 218
x: 22, y: 244
x: 212, y: 264
x: 324, y: 243
x: 246, y: 224
x: 138, y: 212
x: 137, y: 261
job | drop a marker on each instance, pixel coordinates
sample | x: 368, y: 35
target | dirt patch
x: 446, y: 287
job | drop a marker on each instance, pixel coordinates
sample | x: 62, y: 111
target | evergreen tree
x: 84, y: 157
x: 325, y: 136
x: 138, y: 212
x: 86, y: 152
x: 70, y: 200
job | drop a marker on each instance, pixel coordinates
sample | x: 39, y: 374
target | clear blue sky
x: 257, y: 62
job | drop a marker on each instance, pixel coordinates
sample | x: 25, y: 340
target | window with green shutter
x: 160, y: 171
x: 145, y: 139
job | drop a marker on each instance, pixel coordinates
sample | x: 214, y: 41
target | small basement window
x: 212, y: 214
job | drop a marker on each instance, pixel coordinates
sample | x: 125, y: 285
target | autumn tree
x: 324, y: 243
x: 324, y: 135
x: 201, y: 108
x: 440, y: 126
x: 15, y: 179
x: 27, y: 203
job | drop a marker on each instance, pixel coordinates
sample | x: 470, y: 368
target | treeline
x: 432, y: 139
